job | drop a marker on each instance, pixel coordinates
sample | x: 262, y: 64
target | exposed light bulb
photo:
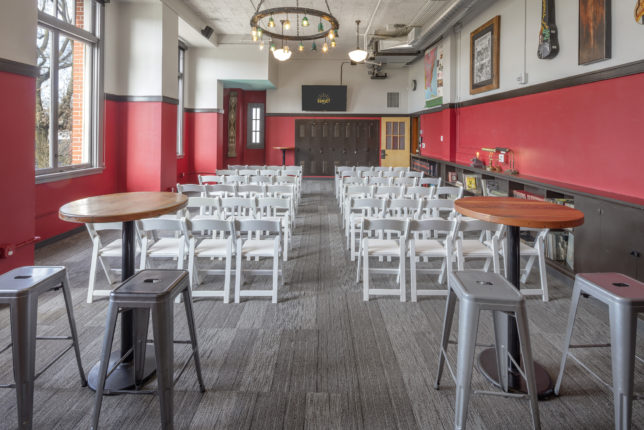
x: 333, y: 44
x: 331, y: 35
x: 272, y: 47
x: 253, y: 32
x: 261, y: 45
x: 260, y: 32
x: 271, y: 22
x: 325, y: 47
x: 300, y: 47
x: 255, y: 37
x: 286, y: 49
x: 287, y: 25
x: 305, y: 21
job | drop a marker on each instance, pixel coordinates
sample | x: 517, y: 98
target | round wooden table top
x: 519, y: 212
x: 122, y: 207
x: 284, y: 147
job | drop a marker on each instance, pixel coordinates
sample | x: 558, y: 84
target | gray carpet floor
x: 319, y: 359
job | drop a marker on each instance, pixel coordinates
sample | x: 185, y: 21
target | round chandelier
x: 264, y: 25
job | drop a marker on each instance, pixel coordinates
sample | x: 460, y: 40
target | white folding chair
x: 534, y: 251
x: 221, y: 190
x: 226, y: 172
x: 261, y: 180
x: 267, y: 245
x: 388, y: 191
x: 380, y: 247
x: 210, y: 179
x: 235, y: 179
x: 392, y: 174
x: 358, y: 209
x: 422, y: 248
x: 468, y: 248
x: 251, y: 190
x: 448, y: 192
x: 381, y: 168
x: 207, y: 207
x: 278, y: 209
x: 191, y: 190
x: 406, y: 181
x: 414, y: 174
x: 432, y: 182
x: 154, y: 246
x: 238, y: 207
x: 377, y: 180
x: 101, y: 251
x: 402, y: 208
x: 247, y: 172
x: 218, y: 246
x: 418, y: 192
x: 354, y: 191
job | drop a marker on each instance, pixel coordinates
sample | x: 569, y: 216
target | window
x: 182, y: 58
x: 68, y: 88
x: 255, y: 137
x: 395, y: 134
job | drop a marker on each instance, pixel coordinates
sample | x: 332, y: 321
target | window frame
x: 181, y: 72
x: 95, y: 42
x: 249, y: 128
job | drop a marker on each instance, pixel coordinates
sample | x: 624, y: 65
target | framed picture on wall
x: 484, y: 56
x: 594, y: 31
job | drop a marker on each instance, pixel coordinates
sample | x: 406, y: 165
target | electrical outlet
x: 522, y: 78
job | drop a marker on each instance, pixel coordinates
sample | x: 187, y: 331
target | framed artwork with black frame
x: 484, y: 56
x: 594, y: 31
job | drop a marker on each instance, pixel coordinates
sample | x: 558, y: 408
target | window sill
x: 70, y: 174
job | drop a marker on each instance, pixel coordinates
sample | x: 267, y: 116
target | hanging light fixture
x: 335, y: 33
x: 286, y: 23
x: 358, y: 55
x: 325, y: 47
x: 260, y: 32
x: 305, y: 21
x: 313, y: 47
x: 320, y: 26
x: 271, y: 22
x: 300, y: 47
x: 272, y: 47
x: 284, y: 53
x: 331, y: 34
x: 333, y: 43
x: 253, y: 32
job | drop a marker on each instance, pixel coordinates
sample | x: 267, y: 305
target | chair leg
x: 23, y: 337
x: 365, y: 273
x: 72, y: 327
x: 140, y: 322
x: 412, y: 274
x: 623, y: 331
x: 227, y: 271
x: 112, y: 313
x: 528, y: 269
x: 187, y: 302
x: 163, y: 329
x: 276, y: 262
x: 238, y: 271
x: 448, y: 317
x: 92, y: 274
x: 403, y: 274
x: 543, y: 276
x: 499, y: 320
x: 467, y: 327
x: 574, y: 302
x: 528, y: 364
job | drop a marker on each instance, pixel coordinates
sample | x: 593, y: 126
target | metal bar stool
x: 150, y: 291
x: 478, y: 291
x: 20, y: 289
x: 625, y: 299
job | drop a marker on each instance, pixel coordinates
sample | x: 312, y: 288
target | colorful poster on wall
x: 434, y: 76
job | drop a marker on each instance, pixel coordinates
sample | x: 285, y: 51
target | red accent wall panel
x: 168, y: 165
x: 244, y: 155
x: 185, y: 164
x: 52, y: 195
x: 588, y: 135
x: 434, y: 125
x: 17, y: 113
x: 204, y: 134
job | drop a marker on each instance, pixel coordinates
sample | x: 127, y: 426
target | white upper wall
x: 18, y: 20
x: 208, y: 67
x: 141, y: 49
x: 364, y: 95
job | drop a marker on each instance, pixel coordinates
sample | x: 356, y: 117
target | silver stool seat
x: 478, y: 291
x: 625, y: 299
x: 20, y: 289
x: 150, y: 291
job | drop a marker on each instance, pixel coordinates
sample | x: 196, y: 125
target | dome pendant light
x: 305, y: 21
x: 358, y: 55
x: 300, y: 47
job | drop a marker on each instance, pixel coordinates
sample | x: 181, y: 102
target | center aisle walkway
x: 319, y: 359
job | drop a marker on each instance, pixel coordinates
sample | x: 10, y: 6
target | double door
x: 322, y: 144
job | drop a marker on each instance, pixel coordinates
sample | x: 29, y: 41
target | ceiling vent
x: 393, y: 100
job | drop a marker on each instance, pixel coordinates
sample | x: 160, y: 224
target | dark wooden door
x: 322, y: 144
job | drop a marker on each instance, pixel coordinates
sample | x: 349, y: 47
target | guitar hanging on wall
x: 639, y: 11
x: 548, y: 43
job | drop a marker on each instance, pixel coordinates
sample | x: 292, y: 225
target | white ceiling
x: 233, y: 17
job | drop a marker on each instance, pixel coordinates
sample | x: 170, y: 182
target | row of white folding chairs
x: 402, y: 191
x: 339, y: 169
x: 222, y: 184
x: 257, y: 172
x: 416, y: 239
x: 264, y: 167
x: 357, y: 175
x: 225, y: 241
x: 265, y: 208
x: 241, y: 190
x: 410, y: 182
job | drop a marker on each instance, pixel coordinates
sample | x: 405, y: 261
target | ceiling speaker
x: 207, y: 32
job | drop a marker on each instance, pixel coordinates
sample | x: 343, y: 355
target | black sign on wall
x: 324, y: 98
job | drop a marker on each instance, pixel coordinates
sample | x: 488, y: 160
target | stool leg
x: 140, y: 321
x: 187, y: 301
x: 112, y: 313
x: 468, y: 322
x: 623, y: 330
x: 447, y: 328
x: 163, y: 328
x: 72, y: 326
x: 528, y: 364
x: 23, y: 337
x: 500, y: 322
x: 574, y: 303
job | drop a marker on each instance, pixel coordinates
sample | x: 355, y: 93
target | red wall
x: 587, y: 135
x: 205, y: 140
x: 244, y: 155
x: 17, y: 113
x: 435, y: 125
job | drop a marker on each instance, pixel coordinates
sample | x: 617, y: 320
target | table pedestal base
x: 123, y: 376
x: 487, y: 366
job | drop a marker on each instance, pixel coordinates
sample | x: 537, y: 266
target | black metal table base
x: 487, y: 366
x: 123, y: 376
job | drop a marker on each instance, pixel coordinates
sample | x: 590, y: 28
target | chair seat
x: 258, y: 248
x: 112, y: 249
x: 473, y: 247
x: 211, y: 248
x: 429, y: 248
x: 282, y: 219
x: 383, y: 247
x: 167, y: 246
